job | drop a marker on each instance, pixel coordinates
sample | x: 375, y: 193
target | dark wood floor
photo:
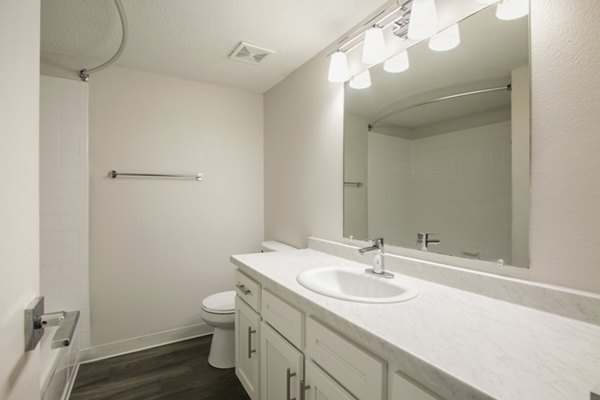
x: 178, y: 371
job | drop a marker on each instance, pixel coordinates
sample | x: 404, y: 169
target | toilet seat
x: 220, y: 303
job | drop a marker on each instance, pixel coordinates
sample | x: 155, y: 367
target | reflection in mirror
x: 437, y: 156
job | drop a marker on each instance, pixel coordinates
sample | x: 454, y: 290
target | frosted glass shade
x: 338, y: 68
x: 361, y: 81
x: 447, y: 39
x: 512, y: 9
x: 423, y: 20
x: 398, y: 63
x: 487, y: 2
x: 373, y: 51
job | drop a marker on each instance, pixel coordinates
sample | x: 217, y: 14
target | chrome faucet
x: 378, y: 260
x: 423, y: 241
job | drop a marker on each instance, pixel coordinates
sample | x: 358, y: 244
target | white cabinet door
x: 320, y: 386
x: 247, y: 359
x: 404, y: 389
x: 281, y: 367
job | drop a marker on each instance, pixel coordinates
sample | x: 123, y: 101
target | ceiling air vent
x: 250, y: 53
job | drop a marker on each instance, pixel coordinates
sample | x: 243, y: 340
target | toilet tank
x: 275, y: 246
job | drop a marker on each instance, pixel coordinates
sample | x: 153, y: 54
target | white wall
x: 158, y: 247
x: 304, y: 156
x: 565, y: 194
x: 304, y: 115
x: 19, y: 201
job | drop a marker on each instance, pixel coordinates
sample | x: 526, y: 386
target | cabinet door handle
x: 303, y: 388
x: 288, y: 384
x: 250, y: 350
x: 243, y: 288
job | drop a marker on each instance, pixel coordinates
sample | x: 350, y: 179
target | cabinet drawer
x: 248, y: 289
x: 288, y: 321
x: 404, y: 389
x: 362, y: 374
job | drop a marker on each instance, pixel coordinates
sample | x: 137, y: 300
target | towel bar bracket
x: 36, y: 321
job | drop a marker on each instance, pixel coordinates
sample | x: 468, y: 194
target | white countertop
x: 460, y: 344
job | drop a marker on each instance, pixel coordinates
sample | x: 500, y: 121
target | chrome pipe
x: 84, y: 74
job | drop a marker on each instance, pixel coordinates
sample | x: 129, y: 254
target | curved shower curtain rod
x: 84, y: 74
x: 450, y: 97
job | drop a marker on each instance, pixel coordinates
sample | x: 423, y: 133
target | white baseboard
x: 138, y: 343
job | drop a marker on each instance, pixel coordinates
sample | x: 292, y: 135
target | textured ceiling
x: 193, y: 38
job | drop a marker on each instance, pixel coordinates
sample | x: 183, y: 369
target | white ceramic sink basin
x: 354, y: 284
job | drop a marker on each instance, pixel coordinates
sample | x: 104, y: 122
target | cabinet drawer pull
x: 288, y: 384
x: 243, y: 288
x: 250, y: 350
x: 303, y: 388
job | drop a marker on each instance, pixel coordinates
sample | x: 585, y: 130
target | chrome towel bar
x: 114, y: 174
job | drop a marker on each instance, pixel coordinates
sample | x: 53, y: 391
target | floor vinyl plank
x: 178, y: 371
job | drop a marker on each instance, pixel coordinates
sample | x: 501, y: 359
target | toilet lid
x: 220, y: 303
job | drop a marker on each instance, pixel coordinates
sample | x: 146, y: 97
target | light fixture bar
x: 350, y: 42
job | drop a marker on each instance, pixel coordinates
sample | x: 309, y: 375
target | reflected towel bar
x: 114, y: 174
x: 356, y: 184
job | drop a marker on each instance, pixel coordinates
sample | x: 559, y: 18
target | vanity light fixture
x: 398, y: 63
x: 338, y: 67
x: 512, y: 9
x: 423, y: 20
x: 447, y: 39
x: 361, y: 81
x: 373, y: 51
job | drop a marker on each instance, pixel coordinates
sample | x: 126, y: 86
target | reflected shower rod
x: 450, y: 97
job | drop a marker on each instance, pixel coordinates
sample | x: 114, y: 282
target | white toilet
x: 218, y: 311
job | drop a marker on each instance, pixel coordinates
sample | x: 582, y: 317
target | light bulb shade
x: 398, y: 63
x: 361, y: 81
x: 512, y: 9
x: 373, y: 51
x: 338, y: 68
x: 423, y: 20
x: 447, y: 39
x: 487, y: 2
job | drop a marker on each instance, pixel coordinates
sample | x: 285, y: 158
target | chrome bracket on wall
x: 36, y: 321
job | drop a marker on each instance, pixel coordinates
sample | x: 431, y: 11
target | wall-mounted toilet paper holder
x: 36, y: 321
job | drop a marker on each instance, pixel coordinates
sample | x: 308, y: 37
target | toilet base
x: 222, y: 349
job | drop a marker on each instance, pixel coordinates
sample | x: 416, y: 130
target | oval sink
x: 354, y: 284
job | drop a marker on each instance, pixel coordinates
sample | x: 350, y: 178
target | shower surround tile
x: 64, y: 199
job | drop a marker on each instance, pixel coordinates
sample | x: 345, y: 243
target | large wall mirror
x: 443, y: 147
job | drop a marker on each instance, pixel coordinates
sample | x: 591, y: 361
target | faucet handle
x: 424, y: 235
x: 377, y: 242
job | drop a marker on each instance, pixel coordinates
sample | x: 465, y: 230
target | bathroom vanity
x: 447, y: 343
